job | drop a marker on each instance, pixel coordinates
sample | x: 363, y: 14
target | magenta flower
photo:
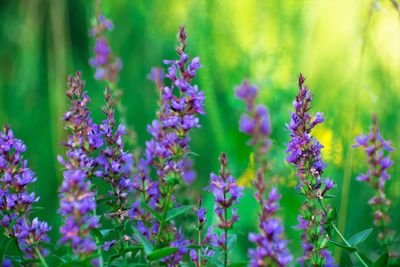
x: 378, y: 160
x: 304, y: 151
x: 77, y: 201
x: 16, y: 202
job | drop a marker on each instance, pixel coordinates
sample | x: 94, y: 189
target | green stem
x: 101, y: 261
x: 42, y: 259
x: 348, y: 244
x: 226, y: 241
x: 160, y: 228
x: 199, y: 249
x: 226, y: 235
x: 19, y: 248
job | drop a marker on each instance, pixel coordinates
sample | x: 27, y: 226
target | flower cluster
x: 304, y: 151
x: 271, y: 250
x: 114, y: 164
x: 77, y: 201
x: 16, y: 202
x: 106, y: 64
x: 205, y: 251
x: 226, y: 193
x: 181, y: 102
x: 375, y: 146
x: 255, y: 122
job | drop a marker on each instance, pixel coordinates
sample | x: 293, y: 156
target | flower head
x: 304, y: 151
x: 16, y: 202
x: 77, y: 201
x: 106, y: 64
x: 378, y: 160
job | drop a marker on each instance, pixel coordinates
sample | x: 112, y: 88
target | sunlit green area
x: 349, y: 52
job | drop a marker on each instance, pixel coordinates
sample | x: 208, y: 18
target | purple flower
x: 271, y: 249
x: 15, y: 200
x: 304, y: 151
x: 114, y: 165
x: 106, y: 64
x: 375, y: 148
x: 255, y: 122
x: 226, y: 193
x: 77, y: 201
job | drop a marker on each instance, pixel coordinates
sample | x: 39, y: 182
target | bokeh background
x: 349, y: 52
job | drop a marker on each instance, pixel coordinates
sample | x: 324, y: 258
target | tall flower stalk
x: 271, y: 249
x: 378, y: 160
x: 77, y: 200
x: 226, y: 192
x: 167, y: 151
x: 304, y: 151
x: 16, y: 202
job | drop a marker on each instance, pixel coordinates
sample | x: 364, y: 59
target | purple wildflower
x: 375, y: 148
x: 271, y: 249
x: 304, y: 151
x: 115, y: 164
x: 255, y: 122
x: 167, y: 151
x: 106, y: 64
x: 226, y: 193
x: 181, y: 103
x: 15, y: 201
x: 201, y: 256
x: 77, y: 201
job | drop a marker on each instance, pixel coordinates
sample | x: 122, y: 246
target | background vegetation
x: 348, y: 50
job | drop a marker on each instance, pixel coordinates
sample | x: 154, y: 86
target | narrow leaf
x: 350, y: 249
x: 3, y: 248
x: 161, y: 253
x: 359, y: 237
x: 231, y: 241
x: 172, y: 213
x: 382, y: 261
x: 152, y: 211
x: 239, y: 264
x: 147, y: 246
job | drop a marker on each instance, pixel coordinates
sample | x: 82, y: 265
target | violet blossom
x: 304, y: 151
x: 77, y: 201
x: 16, y: 202
x: 106, y: 64
x: 115, y: 164
x: 271, y: 249
x: 378, y: 159
x: 226, y: 192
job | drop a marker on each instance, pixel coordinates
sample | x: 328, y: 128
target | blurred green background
x: 349, y: 52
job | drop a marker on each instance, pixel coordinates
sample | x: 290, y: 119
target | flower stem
x: 348, y: 244
x: 101, y: 261
x: 226, y: 235
x: 42, y: 259
x: 160, y: 228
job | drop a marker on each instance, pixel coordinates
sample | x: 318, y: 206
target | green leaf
x: 161, y: 253
x: 152, y: 211
x: 238, y: 264
x: 147, y: 246
x: 74, y: 264
x: 365, y: 258
x: 382, y: 261
x: 172, y: 213
x: 332, y: 215
x: 350, y: 249
x: 112, y: 258
x: 3, y: 248
x: 97, y: 233
x: 359, y: 237
x: 231, y: 242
